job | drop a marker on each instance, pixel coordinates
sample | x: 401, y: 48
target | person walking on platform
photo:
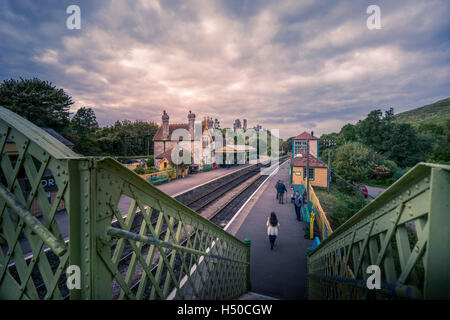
x: 272, y: 228
x: 276, y: 187
x: 298, y: 202
x: 281, y: 189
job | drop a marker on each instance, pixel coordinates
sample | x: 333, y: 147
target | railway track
x: 221, y: 217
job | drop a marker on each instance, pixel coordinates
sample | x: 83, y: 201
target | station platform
x: 278, y: 273
x: 178, y: 186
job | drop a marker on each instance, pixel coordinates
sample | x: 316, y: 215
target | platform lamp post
x: 329, y: 144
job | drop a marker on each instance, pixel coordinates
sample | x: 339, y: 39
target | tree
x: 405, y: 146
x: 37, y: 101
x: 349, y: 132
x: 84, y: 121
x: 83, y: 125
x: 442, y: 151
x: 355, y: 161
x: 127, y: 138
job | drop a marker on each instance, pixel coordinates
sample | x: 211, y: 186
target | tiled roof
x: 305, y: 135
x: 167, y: 154
x: 172, y: 127
x: 313, y: 162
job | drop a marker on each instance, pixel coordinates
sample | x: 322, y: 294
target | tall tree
x: 349, y: 132
x: 38, y: 101
x: 84, y: 121
x: 83, y: 125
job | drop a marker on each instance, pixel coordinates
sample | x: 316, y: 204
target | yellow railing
x: 320, y: 216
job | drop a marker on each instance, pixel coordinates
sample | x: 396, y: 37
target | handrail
x: 49, y: 239
x: 321, y: 217
x: 145, y: 186
x: 35, y: 134
x: 119, y: 233
x: 403, y: 232
x: 92, y: 191
x: 384, y: 197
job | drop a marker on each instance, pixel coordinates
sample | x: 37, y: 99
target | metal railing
x: 404, y: 231
x: 320, y: 216
x: 128, y: 239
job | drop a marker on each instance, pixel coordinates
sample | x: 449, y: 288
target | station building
x: 318, y: 171
x: 166, y: 139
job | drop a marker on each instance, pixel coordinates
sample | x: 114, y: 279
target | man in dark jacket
x: 276, y: 187
x: 281, y: 189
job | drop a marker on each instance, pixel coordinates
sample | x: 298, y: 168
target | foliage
x: 441, y: 152
x: 354, y: 161
x: 391, y: 165
x: 84, y: 121
x: 140, y: 169
x: 150, y: 161
x: 37, y: 101
x: 126, y: 138
x: 151, y: 169
x: 83, y: 125
x: 338, y: 205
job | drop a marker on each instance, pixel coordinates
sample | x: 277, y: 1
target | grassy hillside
x: 437, y: 113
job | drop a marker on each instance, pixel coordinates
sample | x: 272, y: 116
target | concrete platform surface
x: 278, y: 273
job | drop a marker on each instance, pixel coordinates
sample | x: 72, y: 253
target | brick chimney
x: 165, y: 125
x: 191, y: 120
x: 210, y: 123
x: 245, y: 125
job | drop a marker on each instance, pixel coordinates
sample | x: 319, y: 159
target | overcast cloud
x: 292, y: 65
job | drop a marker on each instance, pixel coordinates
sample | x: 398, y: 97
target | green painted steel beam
x: 16, y: 206
x: 405, y: 231
x: 35, y: 134
x: 119, y: 233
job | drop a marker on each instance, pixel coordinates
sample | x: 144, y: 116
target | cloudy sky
x: 293, y: 65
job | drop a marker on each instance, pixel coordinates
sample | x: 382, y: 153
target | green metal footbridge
x: 161, y: 249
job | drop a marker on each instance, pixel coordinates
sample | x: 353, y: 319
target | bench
x: 158, y: 179
x: 207, y: 167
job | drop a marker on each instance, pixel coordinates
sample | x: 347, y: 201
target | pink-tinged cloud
x: 292, y: 65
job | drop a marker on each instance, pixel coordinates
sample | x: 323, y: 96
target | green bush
x: 345, y: 207
x: 391, y: 165
x: 355, y: 162
x: 150, y: 161
x: 140, y: 169
x: 151, y: 169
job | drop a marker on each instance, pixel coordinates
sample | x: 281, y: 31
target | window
x: 165, y: 164
x: 311, y: 173
x: 300, y: 147
x: 180, y: 138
